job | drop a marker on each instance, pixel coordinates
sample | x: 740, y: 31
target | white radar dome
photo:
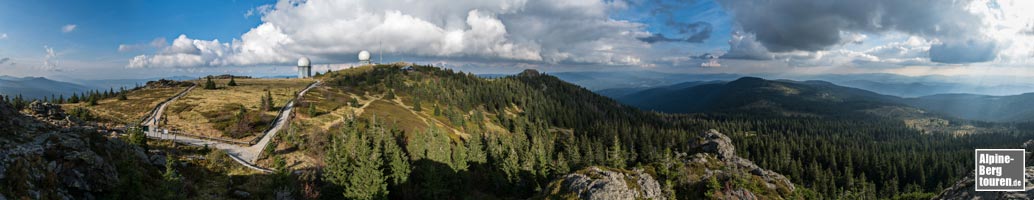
x: 364, y: 55
x: 304, y: 61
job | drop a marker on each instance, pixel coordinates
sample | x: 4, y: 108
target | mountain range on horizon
x: 961, y: 100
x: 816, y: 98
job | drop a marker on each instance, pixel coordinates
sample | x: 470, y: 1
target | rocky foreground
x: 964, y: 189
x: 715, y: 159
x: 47, y: 154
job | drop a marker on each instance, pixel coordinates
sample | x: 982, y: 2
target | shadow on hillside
x: 435, y: 180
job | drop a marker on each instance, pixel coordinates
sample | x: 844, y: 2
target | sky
x: 144, y: 39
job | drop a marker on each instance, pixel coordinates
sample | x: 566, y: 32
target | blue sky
x: 126, y: 39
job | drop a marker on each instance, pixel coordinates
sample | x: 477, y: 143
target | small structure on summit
x: 304, y: 68
x: 364, y: 57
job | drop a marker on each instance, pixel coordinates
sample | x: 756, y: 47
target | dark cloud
x: 970, y: 51
x: 4, y: 60
x: 812, y: 25
x: 746, y: 46
x: 696, y: 32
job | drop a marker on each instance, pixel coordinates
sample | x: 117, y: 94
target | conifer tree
x: 416, y: 105
x: 396, y: 160
x: 209, y: 84
x: 172, y: 179
x: 263, y: 104
x: 354, y: 162
x: 138, y: 137
x: 615, y: 154
x: 269, y: 99
x: 390, y: 95
x: 232, y: 82
x: 93, y: 100
x: 312, y: 110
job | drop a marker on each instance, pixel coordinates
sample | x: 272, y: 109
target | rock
x: 597, y: 183
x: 228, y: 76
x: 42, y: 155
x: 157, y: 160
x: 163, y: 83
x: 964, y: 188
x: 529, y: 73
x: 718, y: 144
x: 241, y: 194
x: 46, y: 110
x: 715, y: 143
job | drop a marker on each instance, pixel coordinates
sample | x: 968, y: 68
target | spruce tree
x: 138, y: 137
x: 232, y: 82
x: 269, y: 100
x: 173, y: 181
x: 209, y: 84
x: 93, y: 100
x: 615, y: 154
x: 354, y: 162
x: 312, y: 110
x: 396, y: 160
x: 416, y: 105
x: 390, y: 95
x: 263, y: 104
x: 354, y: 102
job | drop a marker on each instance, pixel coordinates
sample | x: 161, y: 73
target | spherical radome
x: 364, y: 55
x: 304, y: 61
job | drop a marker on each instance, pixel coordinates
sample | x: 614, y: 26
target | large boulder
x: 46, y: 110
x: 717, y: 144
x: 163, y: 83
x: 964, y: 189
x: 599, y: 183
x: 43, y: 160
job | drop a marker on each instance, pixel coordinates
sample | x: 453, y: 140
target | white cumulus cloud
x: 535, y: 31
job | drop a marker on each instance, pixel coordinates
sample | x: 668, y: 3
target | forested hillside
x: 1013, y: 108
x: 503, y: 137
x: 760, y: 96
x: 836, y: 140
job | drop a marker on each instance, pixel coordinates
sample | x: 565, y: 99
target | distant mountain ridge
x: 889, y: 84
x: 817, y: 98
x: 1013, y: 108
x: 753, y: 94
x: 37, y: 87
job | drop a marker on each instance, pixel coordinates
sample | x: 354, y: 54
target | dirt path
x: 245, y: 155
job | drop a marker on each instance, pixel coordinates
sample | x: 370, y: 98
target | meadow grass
x: 138, y: 104
x: 214, y: 113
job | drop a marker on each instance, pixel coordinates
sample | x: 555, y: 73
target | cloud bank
x: 959, y: 31
x: 535, y: 31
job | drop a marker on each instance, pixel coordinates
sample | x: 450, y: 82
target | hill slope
x: 465, y: 136
x: 37, y: 87
x: 1014, y: 108
x: 785, y: 98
